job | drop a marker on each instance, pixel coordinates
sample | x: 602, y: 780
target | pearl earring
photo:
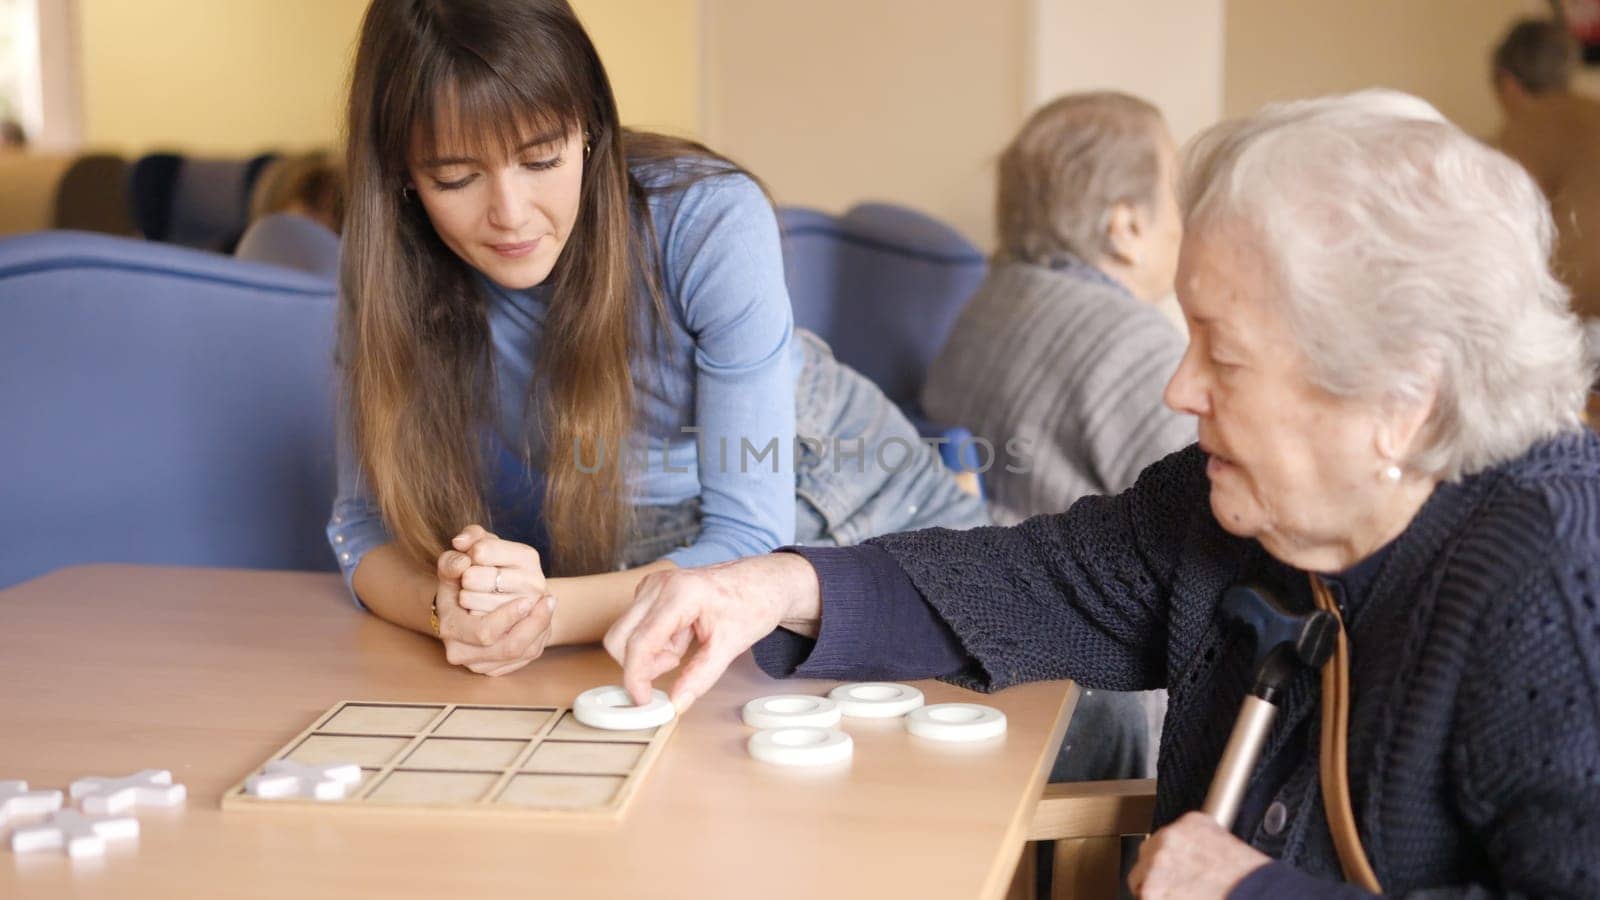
x: 1392, y: 472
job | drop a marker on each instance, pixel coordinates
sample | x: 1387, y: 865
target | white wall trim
x: 60, y: 76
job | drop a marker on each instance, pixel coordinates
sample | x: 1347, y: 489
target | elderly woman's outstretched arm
x: 1084, y: 594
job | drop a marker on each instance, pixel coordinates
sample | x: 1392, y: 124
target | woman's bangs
x: 472, y: 113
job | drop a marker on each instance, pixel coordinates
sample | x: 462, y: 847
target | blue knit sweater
x: 1475, y: 727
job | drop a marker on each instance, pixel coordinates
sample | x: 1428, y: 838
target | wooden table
x: 107, y: 669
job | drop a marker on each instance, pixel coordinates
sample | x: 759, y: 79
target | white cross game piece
x: 282, y: 778
x: 17, y: 800
x: 110, y: 796
x: 81, y: 835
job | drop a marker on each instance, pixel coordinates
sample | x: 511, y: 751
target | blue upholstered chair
x: 883, y: 285
x: 161, y: 405
x: 202, y: 203
x: 293, y: 241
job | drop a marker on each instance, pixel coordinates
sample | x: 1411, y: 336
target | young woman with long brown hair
x: 557, y: 333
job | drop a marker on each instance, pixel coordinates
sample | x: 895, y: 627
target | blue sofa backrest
x: 882, y: 284
x: 161, y: 405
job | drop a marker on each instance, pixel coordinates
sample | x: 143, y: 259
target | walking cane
x: 1284, y: 641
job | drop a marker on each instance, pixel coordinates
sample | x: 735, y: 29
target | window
x: 20, y: 99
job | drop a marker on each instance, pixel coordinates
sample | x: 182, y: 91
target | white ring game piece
x: 956, y: 722
x: 611, y: 708
x: 791, y: 711
x: 801, y: 746
x: 876, y: 699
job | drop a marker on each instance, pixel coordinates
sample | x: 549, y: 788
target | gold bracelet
x: 433, y: 614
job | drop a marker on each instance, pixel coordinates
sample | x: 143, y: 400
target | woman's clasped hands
x: 495, y: 614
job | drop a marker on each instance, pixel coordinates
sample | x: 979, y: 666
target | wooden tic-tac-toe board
x: 511, y: 760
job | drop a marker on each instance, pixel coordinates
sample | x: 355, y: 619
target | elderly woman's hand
x: 726, y: 608
x: 1192, y: 858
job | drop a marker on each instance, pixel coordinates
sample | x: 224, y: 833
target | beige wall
x: 651, y: 51
x: 1437, y: 49
x: 831, y: 101
x: 837, y: 101
x: 214, y: 76
x: 1167, y: 52
x: 914, y: 99
x: 241, y: 76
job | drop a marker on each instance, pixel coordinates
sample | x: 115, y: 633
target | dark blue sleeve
x: 1279, y: 879
x: 1086, y: 594
x: 875, y: 626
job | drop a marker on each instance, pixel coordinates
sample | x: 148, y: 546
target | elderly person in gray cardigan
x: 1061, y: 356
x: 1387, y: 380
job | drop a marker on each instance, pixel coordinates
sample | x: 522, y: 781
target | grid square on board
x: 463, y: 753
x: 585, y: 758
x: 570, y: 729
x: 410, y: 788
x: 363, y: 750
x: 361, y: 718
x: 560, y: 791
x: 479, y: 722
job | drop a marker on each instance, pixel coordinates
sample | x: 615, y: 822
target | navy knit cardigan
x: 1475, y: 727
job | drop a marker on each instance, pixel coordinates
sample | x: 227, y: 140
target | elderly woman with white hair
x: 1387, y: 382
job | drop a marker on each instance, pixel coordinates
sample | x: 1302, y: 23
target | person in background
x: 310, y: 185
x: 1555, y: 134
x: 12, y: 138
x: 557, y: 339
x: 1387, y: 381
x: 1061, y: 355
